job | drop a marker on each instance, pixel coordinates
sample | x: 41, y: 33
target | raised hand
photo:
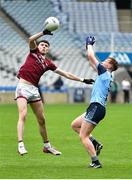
x: 47, y: 32
x: 90, y: 40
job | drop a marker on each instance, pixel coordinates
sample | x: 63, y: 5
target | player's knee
x: 40, y: 116
x: 73, y: 126
x: 22, y: 116
x: 41, y: 121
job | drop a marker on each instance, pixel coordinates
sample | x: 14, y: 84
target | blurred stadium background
x: 109, y: 21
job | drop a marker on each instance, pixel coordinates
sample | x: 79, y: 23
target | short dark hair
x: 45, y: 41
x: 113, y: 62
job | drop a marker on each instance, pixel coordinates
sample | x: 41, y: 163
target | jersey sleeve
x: 101, y: 69
x: 52, y: 66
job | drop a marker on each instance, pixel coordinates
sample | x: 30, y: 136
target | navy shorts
x: 95, y: 113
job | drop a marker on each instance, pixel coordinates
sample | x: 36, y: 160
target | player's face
x: 43, y: 48
x: 107, y: 64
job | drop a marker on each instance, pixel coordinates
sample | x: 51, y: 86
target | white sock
x: 47, y: 145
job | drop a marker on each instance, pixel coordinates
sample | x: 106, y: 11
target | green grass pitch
x: 115, y: 132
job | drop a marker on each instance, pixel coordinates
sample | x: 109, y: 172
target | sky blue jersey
x: 101, y: 86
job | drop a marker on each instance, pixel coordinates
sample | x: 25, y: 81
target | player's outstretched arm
x: 32, y: 39
x: 73, y: 77
x: 90, y: 40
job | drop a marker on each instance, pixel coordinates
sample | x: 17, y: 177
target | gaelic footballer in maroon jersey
x: 34, y: 67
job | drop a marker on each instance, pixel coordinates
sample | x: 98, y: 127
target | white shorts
x: 27, y: 91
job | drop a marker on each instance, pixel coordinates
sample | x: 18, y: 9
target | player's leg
x: 37, y: 108
x: 76, y: 126
x: 22, y: 109
x: 76, y: 123
x: 94, y: 114
x: 85, y: 132
x: 97, y: 145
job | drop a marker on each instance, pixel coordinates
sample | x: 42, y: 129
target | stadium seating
x: 91, y: 16
x: 10, y: 38
x: 78, y: 19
